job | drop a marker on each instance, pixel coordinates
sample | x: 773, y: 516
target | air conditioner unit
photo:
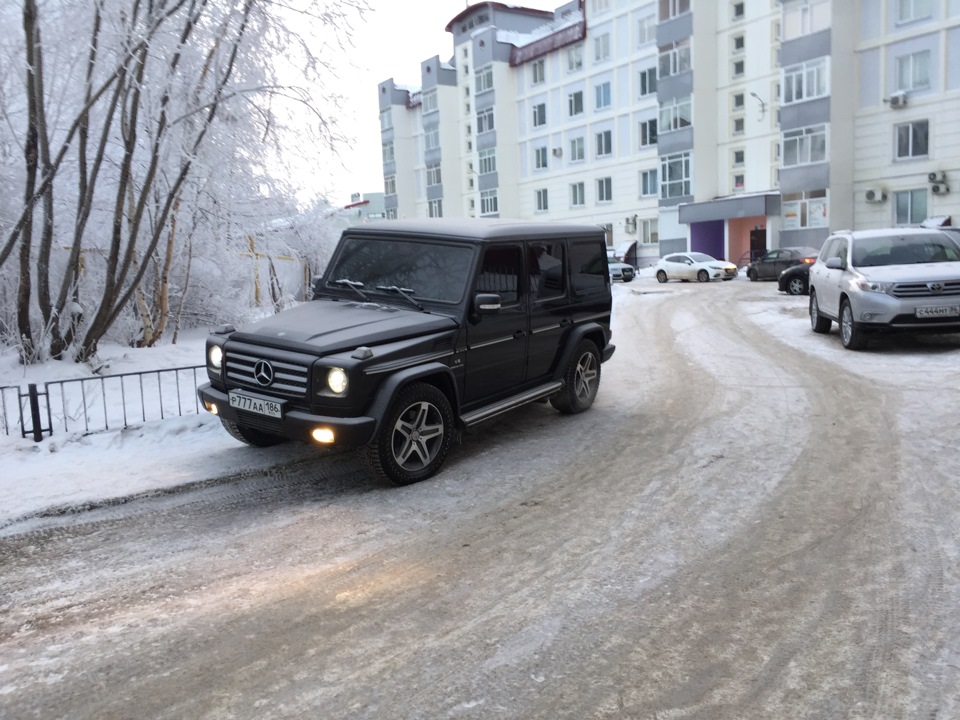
x: 876, y: 195
x: 898, y: 99
x: 557, y: 152
x: 937, y: 177
x: 630, y: 223
x: 940, y: 188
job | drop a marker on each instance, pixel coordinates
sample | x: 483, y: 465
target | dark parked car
x: 795, y: 280
x: 770, y: 265
x: 418, y: 329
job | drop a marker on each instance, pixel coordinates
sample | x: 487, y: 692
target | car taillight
x: 810, y: 261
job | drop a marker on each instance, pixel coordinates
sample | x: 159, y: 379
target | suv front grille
x: 290, y: 375
x: 950, y: 288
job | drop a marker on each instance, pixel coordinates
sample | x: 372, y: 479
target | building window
x: 648, y: 183
x: 910, y: 207
x: 539, y: 114
x: 542, y: 200
x: 648, y: 231
x: 672, y: 8
x: 738, y: 101
x: 600, y: 6
x: 390, y: 185
x: 433, y: 175
x: 805, y: 17
x: 577, y: 197
x: 604, y: 143
x: 738, y: 181
x: 484, y: 120
x: 648, y: 132
x: 388, y: 152
x: 576, y: 149
x: 738, y: 126
x: 675, y: 175
x: 738, y: 44
x: 429, y: 102
x: 575, y: 58
x: 737, y: 11
x: 484, y: 79
x: 804, y: 210
x: 391, y: 213
x: 575, y: 102
x: 539, y: 71
x: 738, y: 68
x: 913, y: 139
x: 488, y: 202
x: 805, y: 145
x: 674, y: 58
x: 386, y: 120
x: 913, y: 71
x: 435, y: 208
x: 911, y: 10
x: 431, y: 138
x: 540, y: 157
x: 488, y: 161
x: 676, y: 114
x: 604, y: 190
x: 805, y: 81
x: 647, y: 81
x: 646, y: 29
x: 603, y: 95
x: 601, y: 47
x: 738, y: 158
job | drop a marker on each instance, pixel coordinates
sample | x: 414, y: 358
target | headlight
x: 337, y: 381
x: 215, y: 357
x: 872, y: 286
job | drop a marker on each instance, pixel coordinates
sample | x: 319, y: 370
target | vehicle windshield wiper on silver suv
x: 354, y: 285
x: 406, y: 293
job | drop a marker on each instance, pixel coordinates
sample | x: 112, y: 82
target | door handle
x: 518, y: 334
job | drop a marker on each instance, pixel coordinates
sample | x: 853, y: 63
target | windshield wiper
x: 406, y: 293
x: 354, y: 285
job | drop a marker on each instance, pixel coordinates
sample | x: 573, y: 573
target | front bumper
x: 295, y: 424
x: 881, y: 311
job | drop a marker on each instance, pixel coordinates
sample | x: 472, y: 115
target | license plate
x: 938, y: 311
x: 257, y: 405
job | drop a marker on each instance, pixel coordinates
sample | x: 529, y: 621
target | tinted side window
x: 500, y: 273
x: 545, y: 261
x: 588, y: 266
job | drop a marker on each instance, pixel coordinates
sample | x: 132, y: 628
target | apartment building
x: 723, y: 126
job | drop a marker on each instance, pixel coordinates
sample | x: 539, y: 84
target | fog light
x: 323, y: 435
x: 211, y: 407
x: 867, y: 317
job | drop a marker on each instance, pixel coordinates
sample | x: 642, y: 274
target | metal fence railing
x: 107, y: 402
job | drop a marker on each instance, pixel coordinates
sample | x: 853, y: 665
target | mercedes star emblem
x: 263, y: 372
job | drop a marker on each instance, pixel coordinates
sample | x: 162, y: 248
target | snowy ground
x: 71, y: 471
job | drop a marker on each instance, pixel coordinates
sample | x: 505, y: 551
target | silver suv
x: 896, y: 279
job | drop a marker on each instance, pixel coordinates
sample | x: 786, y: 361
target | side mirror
x: 835, y: 263
x: 486, y: 303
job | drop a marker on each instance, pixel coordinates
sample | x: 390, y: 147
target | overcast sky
x: 391, y: 42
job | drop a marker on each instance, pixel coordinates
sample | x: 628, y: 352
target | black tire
x: 629, y: 279
x: 580, y: 380
x: 250, y: 436
x: 818, y: 322
x: 414, y: 436
x: 852, y: 337
x: 752, y: 274
x: 662, y: 276
x: 796, y: 286
x: 703, y: 276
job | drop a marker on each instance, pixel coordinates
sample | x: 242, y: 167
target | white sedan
x: 694, y: 266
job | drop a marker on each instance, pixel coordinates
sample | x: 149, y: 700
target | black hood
x: 327, y: 326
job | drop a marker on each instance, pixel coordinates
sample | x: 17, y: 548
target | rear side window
x: 545, y: 265
x: 588, y: 267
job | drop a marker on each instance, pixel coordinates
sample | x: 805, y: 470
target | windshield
x: 700, y: 257
x: 904, y: 250
x: 431, y: 271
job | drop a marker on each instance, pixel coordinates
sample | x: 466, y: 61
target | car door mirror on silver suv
x: 835, y: 263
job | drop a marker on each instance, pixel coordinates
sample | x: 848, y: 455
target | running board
x: 498, y: 408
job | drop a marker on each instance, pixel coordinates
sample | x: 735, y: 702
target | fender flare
x: 576, y: 335
x: 395, y: 382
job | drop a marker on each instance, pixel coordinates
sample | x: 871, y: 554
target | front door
x: 758, y: 243
x: 497, y: 343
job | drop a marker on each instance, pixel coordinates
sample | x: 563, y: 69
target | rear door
x: 547, y: 274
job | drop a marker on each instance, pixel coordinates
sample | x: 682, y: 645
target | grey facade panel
x: 671, y: 202
x: 678, y: 28
x: 802, y: 114
x: 435, y: 192
x: 672, y: 245
x: 675, y: 86
x: 486, y: 140
x: 431, y: 156
x: 390, y: 202
x: 731, y: 207
x: 675, y: 141
x: 489, y: 181
x: 805, y: 48
x: 485, y: 100
x: 953, y: 59
x: 804, y: 237
x: 871, y: 20
x: 389, y: 94
x: 805, y: 177
x: 870, y: 78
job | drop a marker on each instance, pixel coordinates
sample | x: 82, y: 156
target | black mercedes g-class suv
x: 418, y: 329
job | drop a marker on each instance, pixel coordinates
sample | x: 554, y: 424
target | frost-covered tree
x: 137, y: 139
